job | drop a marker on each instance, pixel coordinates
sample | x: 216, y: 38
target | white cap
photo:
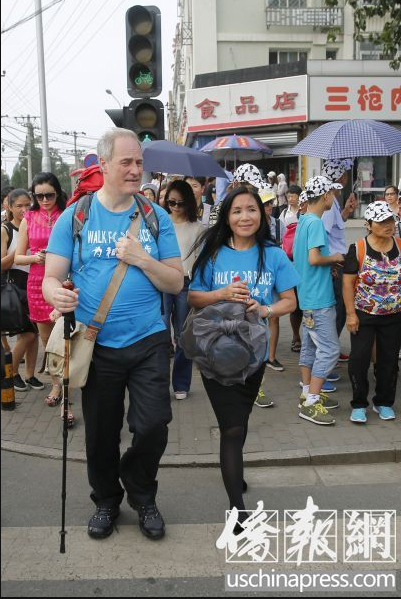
x: 378, y: 211
x: 249, y: 173
x: 317, y: 186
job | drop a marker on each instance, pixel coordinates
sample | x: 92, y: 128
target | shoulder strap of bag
x: 398, y: 242
x: 116, y: 279
x: 278, y: 231
x: 10, y: 232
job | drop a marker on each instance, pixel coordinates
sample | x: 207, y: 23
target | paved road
x: 186, y: 562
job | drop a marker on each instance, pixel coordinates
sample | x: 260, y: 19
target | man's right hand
x: 338, y: 258
x: 65, y: 300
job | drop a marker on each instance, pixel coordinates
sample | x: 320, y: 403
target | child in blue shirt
x: 320, y: 346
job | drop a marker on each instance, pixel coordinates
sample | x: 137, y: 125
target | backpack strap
x: 148, y: 214
x: 360, y: 247
x: 79, y: 218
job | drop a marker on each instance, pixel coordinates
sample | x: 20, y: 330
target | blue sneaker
x: 385, y: 412
x: 358, y: 415
x: 333, y: 377
x: 328, y: 387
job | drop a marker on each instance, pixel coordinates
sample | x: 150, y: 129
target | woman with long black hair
x: 240, y: 263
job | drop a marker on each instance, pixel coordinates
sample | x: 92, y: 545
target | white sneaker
x: 180, y: 394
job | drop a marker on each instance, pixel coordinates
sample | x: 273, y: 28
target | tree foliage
x: 58, y: 167
x: 5, y: 179
x: 389, y: 38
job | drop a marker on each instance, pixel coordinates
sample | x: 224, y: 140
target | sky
x: 84, y: 46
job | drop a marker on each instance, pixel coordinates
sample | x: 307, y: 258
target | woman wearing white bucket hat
x: 372, y: 296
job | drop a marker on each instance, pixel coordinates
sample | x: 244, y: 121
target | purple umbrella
x: 345, y: 139
x: 232, y: 147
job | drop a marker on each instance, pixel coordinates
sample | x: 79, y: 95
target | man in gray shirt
x: 334, y: 222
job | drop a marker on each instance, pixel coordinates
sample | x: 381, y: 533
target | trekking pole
x: 69, y: 326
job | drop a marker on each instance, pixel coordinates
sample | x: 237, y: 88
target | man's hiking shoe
x: 102, y: 522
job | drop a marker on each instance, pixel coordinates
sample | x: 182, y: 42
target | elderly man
x: 334, y: 222
x: 132, y: 346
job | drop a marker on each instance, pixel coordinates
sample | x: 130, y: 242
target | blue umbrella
x: 232, y: 147
x: 168, y: 157
x: 345, y: 139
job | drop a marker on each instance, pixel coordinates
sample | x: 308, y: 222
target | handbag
x: 84, y: 336
x: 226, y: 342
x: 14, y: 308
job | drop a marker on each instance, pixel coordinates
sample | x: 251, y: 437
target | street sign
x: 90, y: 160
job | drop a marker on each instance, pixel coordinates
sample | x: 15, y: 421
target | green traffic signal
x: 144, y: 58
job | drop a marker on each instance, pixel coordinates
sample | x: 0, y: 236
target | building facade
x: 264, y: 68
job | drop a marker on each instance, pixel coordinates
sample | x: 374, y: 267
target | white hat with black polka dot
x: 378, y: 211
x: 249, y: 173
x: 333, y: 169
x: 317, y: 186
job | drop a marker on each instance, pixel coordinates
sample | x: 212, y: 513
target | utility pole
x: 29, y: 147
x: 75, y: 134
x: 29, y: 144
x: 46, y: 164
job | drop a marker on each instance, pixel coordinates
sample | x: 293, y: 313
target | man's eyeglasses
x: 390, y: 193
x: 173, y: 203
x: 41, y: 196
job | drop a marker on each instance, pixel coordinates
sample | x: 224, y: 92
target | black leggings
x: 232, y: 405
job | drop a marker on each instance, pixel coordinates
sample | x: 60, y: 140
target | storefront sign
x: 250, y: 104
x: 340, y: 98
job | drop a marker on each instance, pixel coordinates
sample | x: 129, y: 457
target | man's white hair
x: 105, y: 145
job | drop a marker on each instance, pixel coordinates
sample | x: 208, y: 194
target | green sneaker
x: 325, y: 400
x: 262, y: 401
x: 316, y: 413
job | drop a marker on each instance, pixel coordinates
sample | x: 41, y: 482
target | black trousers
x: 233, y: 404
x: 387, y: 331
x: 143, y: 368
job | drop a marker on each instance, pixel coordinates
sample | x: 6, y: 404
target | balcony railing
x: 304, y: 17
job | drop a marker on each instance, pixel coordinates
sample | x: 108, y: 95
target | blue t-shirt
x: 315, y: 291
x: 278, y: 272
x: 135, y: 312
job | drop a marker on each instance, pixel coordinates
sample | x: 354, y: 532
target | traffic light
x: 146, y: 118
x: 144, y: 53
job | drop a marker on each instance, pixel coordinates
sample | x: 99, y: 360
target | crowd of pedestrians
x: 271, y: 246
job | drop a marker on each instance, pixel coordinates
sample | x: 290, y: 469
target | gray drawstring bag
x: 225, y: 342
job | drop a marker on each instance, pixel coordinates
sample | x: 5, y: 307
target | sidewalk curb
x: 337, y: 456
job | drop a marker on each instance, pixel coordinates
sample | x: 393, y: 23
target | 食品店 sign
x: 249, y: 104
